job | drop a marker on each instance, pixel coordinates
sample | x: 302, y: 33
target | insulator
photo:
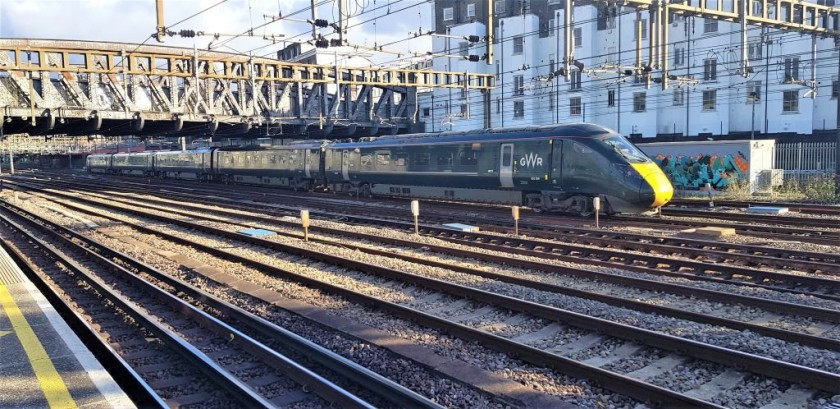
x: 187, y: 33
x: 473, y: 39
x: 319, y: 22
x: 334, y: 42
x: 472, y: 58
x: 323, y: 43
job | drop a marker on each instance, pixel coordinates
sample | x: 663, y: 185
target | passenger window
x: 469, y: 158
x: 422, y: 159
x: 444, y: 159
x: 507, y: 155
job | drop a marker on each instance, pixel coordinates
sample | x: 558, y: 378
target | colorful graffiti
x: 693, y: 172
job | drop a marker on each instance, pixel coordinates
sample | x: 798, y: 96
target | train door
x: 556, y: 161
x: 345, y: 164
x: 307, y: 162
x: 506, y: 165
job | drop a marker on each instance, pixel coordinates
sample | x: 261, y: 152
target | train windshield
x: 624, y: 148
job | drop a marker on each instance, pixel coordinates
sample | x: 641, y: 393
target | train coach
x: 295, y: 166
x: 549, y: 168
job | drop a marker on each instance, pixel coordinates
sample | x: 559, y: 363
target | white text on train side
x: 531, y: 160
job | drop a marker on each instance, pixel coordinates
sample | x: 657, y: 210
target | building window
x: 576, y: 80
x: 710, y: 70
x: 518, y: 85
x: 753, y: 92
x: 498, y: 106
x: 679, y: 56
x: 709, y: 100
x: 470, y: 10
x: 426, y: 111
x: 518, y: 44
x: 578, y: 37
x: 639, y: 99
x: 791, y: 69
x: 710, y: 25
x: 606, y: 17
x: 551, y: 27
x: 463, y: 93
x: 550, y: 63
x: 518, y: 109
x: 644, y: 30
x: 500, y: 6
x: 611, y: 54
x: 448, y: 14
x: 553, y: 1
x: 463, y: 110
x: 551, y: 101
x: 754, y: 48
x: 611, y: 98
x: 574, y: 106
x: 790, y: 103
x: 679, y: 96
x: 834, y: 88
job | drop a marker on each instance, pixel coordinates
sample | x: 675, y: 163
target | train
x: 557, y: 168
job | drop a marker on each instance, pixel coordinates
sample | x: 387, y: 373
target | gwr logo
x: 530, y: 160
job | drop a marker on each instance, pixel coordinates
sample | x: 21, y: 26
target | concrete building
x: 786, y: 92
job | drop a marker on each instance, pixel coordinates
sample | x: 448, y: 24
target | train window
x: 507, y: 155
x: 422, y: 159
x: 469, y: 158
x: 383, y: 158
x: 366, y: 160
x: 444, y: 159
x: 400, y: 159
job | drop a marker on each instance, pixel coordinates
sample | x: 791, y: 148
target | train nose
x: 655, y: 188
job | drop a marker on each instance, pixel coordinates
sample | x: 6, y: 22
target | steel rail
x: 776, y: 257
x: 222, y: 377
x: 135, y: 387
x: 817, y: 313
x: 790, y: 336
x: 804, y: 208
x: 354, y: 372
x: 765, y: 366
x: 749, y: 218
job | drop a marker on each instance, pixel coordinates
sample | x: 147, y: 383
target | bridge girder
x: 82, y: 88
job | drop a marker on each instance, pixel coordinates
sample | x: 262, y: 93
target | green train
x: 557, y: 168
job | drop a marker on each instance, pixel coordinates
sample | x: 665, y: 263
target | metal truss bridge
x: 52, y: 87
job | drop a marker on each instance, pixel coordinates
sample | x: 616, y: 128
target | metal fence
x: 806, y: 161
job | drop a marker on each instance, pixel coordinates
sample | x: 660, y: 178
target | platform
x: 43, y: 363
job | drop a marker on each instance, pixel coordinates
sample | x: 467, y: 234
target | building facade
x: 788, y: 90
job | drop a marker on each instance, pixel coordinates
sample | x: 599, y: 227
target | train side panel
x: 139, y: 164
x: 194, y: 164
x: 100, y: 163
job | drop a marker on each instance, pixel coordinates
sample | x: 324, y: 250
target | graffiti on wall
x: 693, y: 172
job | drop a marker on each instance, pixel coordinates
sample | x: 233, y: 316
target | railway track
x: 523, y: 307
x: 615, y: 256
x: 804, y: 208
x: 815, y: 232
x: 251, y: 373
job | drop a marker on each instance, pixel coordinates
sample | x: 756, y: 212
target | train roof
x: 580, y: 130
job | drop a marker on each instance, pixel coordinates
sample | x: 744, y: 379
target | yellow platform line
x: 51, y: 383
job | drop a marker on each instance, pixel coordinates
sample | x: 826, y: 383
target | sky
x: 133, y: 21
